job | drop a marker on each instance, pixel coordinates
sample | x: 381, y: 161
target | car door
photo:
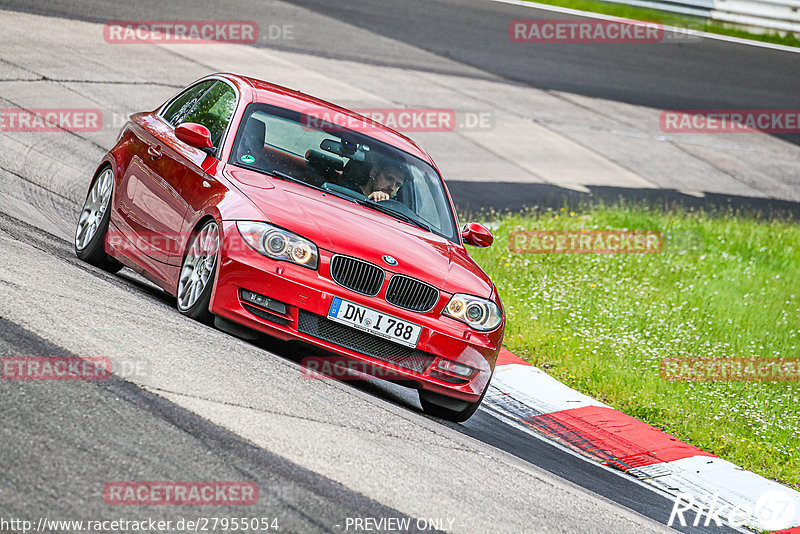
x: 199, y: 186
x: 151, y: 205
x: 175, y: 181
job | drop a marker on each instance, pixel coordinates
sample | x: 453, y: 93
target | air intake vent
x: 360, y: 276
x: 358, y: 341
x: 411, y: 294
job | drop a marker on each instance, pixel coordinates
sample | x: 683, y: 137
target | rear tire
x: 448, y: 408
x: 196, y: 282
x: 90, y: 232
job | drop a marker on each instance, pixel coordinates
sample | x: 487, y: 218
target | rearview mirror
x: 477, y: 235
x: 194, y: 134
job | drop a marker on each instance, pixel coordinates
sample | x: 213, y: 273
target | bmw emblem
x: 390, y: 260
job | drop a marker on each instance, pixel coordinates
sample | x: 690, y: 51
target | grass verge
x: 724, y: 286
x: 671, y: 19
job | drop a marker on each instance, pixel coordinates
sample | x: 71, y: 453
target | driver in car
x: 383, y: 181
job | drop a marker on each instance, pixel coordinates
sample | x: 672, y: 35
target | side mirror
x: 477, y: 235
x: 194, y: 134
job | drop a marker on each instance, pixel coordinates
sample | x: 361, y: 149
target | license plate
x: 374, y: 322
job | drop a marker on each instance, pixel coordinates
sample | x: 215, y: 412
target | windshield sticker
x: 247, y: 158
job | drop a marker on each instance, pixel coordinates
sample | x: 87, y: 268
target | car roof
x: 254, y: 90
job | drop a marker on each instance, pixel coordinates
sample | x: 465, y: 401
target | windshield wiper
x: 393, y: 213
x: 285, y: 176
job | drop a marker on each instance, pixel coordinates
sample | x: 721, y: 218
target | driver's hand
x: 377, y: 196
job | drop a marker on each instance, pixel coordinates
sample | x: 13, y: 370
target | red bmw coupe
x: 261, y: 207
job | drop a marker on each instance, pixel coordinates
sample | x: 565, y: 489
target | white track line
x: 686, y: 31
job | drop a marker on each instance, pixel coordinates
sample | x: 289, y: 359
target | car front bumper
x: 306, y: 296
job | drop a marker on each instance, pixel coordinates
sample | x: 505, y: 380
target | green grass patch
x: 725, y: 286
x: 672, y: 19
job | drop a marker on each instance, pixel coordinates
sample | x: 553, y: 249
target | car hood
x: 344, y: 227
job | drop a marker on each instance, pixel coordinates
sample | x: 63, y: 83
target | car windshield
x: 298, y: 147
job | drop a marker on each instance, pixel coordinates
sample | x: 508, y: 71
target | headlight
x: 279, y: 244
x: 480, y: 314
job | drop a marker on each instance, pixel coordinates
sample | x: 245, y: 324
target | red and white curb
x: 533, y: 398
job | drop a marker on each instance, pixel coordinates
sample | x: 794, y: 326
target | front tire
x: 444, y: 407
x: 196, y: 281
x: 90, y: 232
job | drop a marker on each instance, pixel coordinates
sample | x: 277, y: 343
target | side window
x: 214, y: 110
x: 185, y: 101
